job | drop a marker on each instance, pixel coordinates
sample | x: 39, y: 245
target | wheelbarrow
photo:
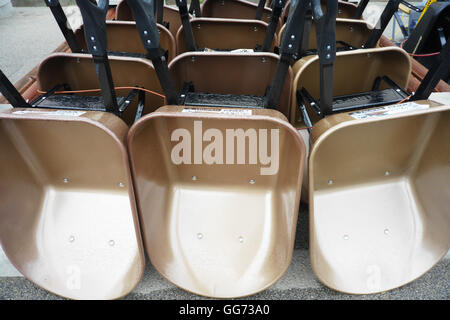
x: 212, y: 227
x: 170, y: 17
x: 226, y: 34
x: 68, y: 213
x: 122, y: 36
x: 378, y: 168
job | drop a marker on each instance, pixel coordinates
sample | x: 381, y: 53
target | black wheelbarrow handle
x: 143, y: 13
x: 63, y: 24
x: 94, y: 19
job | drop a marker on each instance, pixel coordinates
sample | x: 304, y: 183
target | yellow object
x: 429, y: 2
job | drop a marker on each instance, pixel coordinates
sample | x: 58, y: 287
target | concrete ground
x: 27, y: 37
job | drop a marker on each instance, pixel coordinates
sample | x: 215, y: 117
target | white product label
x: 68, y: 113
x: 232, y: 112
x: 389, y: 110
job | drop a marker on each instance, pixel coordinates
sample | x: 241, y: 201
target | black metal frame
x: 260, y: 9
x: 148, y: 31
x: 326, y: 49
x: 438, y: 70
x: 360, y: 9
x: 94, y: 19
x: 277, y: 10
x: 194, y: 8
x: 187, y: 28
x: 64, y: 25
x: 95, y: 33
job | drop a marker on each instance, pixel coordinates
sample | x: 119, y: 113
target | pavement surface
x: 26, y: 38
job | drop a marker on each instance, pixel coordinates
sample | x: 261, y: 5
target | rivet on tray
x: 198, y: 26
x: 346, y: 237
x: 255, y: 29
x: 71, y: 239
x: 111, y: 243
x: 387, y: 173
x: 199, y: 236
x: 121, y: 185
x: 192, y: 59
x: 263, y: 59
x: 330, y: 181
x: 252, y: 181
x: 194, y: 178
x: 386, y: 231
x: 66, y: 180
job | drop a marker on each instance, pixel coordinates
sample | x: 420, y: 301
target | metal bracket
x: 326, y: 49
x: 145, y: 22
x: 11, y: 94
x: 292, y: 37
x: 373, y: 98
x: 94, y: 17
x: 194, y: 8
x: 360, y: 9
x: 278, y: 6
x: 64, y: 25
x: 386, y: 16
x: 187, y: 28
x: 260, y: 9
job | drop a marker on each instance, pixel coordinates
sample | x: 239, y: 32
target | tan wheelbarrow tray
x: 78, y: 71
x: 379, y: 198
x: 68, y: 215
x: 122, y: 36
x: 229, y: 34
x: 230, y: 73
x: 352, y: 32
x: 233, y: 9
x: 171, y: 15
x: 217, y: 230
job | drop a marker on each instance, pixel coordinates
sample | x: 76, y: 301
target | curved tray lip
x: 212, y: 20
x: 187, y: 54
x: 242, y: 2
x: 209, y: 20
x: 338, y: 21
x: 87, y: 56
x: 133, y: 23
x: 313, y: 151
x: 311, y: 59
x: 105, y: 126
x: 281, y: 120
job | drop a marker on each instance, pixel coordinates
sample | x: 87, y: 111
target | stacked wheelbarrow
x: 193, y: 144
